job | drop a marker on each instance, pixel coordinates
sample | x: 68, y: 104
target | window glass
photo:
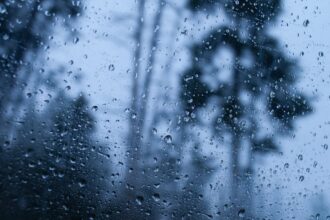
x: 192, y: 109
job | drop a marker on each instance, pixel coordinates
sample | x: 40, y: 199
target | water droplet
x: 301, y: 178
x: 134, y: 116
x: 82, y: 183
x: 300, y: 157
x: 321, y: 54
x: 168, y: 139
x: 111, y: 67
x: 65, y: 207
x: 139, y: 200
x: 156, y: 197
x: 95, y: 108
x: 44, y: 176
x: 68, y: 87
x: 272, y: 94
x: 5, y: 37
x: 154, y: 131
x: 306, y: 23
x: 2, y: 9
x: 75, y: 40
x: 286, y: 165
x: 241, y: 213
x: 325, y: 146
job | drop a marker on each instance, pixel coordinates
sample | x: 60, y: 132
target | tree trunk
x: 235, y: 143
x: 150, y: 68
x: 134, y: 131
x: 235, y: 173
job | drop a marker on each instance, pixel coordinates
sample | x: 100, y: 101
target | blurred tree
x: 141, y: 83
x: 260, y: 90
x: 25, y: 28
x: 53, y: 169
x: 134, y: 129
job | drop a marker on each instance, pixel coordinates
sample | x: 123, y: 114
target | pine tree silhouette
x: 257, y: 94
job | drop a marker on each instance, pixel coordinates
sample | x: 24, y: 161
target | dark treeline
x: 51, y: 165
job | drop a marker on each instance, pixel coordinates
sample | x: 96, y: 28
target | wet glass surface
x: 192, y: 109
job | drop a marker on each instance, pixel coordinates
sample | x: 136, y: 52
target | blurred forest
x: 239, y: 88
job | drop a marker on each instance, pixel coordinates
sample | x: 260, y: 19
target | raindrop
x: 321, y: 54
x: 300, y: 157
x: 139, y: 200
x: 2, y: 9
x: 317, y: 216
x: 68, y: 88
x: 272, y: 94
x: 154, y: 131
x: 65, y: 207
x: 301, y: 178
x: 241, y: 213
x: 75, y: 40
x: 111, y: 67
x: 31, y: 165
x: 306, y: 23
x: 82, y: 183
x: 325, y: 146
x: 134, y: 116
x: 6, y: 144
x: 47, y: 13
x: 5, y: 37
x: 168, y: 139
x: 156, y: 197
x: 95, y: 108
x: 44, y: 176
x: 286, y: 165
